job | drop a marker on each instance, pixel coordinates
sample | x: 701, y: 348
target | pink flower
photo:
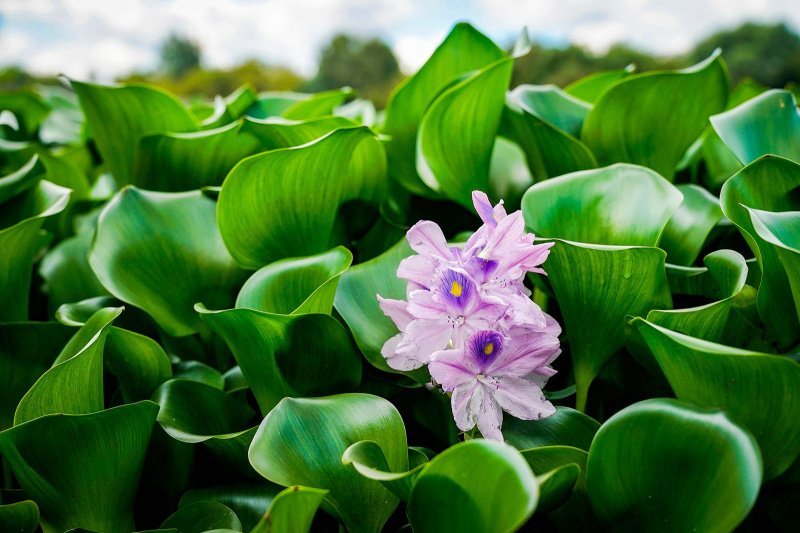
x: 492, y: 373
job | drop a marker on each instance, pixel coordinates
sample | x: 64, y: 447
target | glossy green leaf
x: 589, y: 88
x: 173, y: 162
x: 27, y: 350
x: 288, y: 355
x: 67, y: 274
x: 274, y: 133
x: 200, y: 517
x: 301, y: 441
x: 620, y: 205
x: 766, y: 124
x: 21, y: 220
x: 317, y: 105
x: 147, y: 241
x: 20, y: 517
x: 651, y: 119
x: 230, y: 108
x: 296, y: 286
x: 369, y: 460
x: 28, y: 107
x: 74, y: 384
x: 346, y: 165
x: 21, y: 179
x: 567, y: 427
x: 770, y: 184
x: 732, y: 319
x: 478, y: 485
x: 457, y: 133
x: 64, y: 125
x: 120, y: 116
x: 356, y: 301
x: 248, y: 500
x: 292, y: 511
x: 690, y: 225
x: 96, y: 459
x: 661, y: 465
x: 714, y: 375
x: 464, y: 50
x: 561, y: 472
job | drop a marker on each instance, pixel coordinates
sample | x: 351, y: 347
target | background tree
x: 179, y: 55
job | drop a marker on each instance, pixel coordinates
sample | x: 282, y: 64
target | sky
x: 107, y: 38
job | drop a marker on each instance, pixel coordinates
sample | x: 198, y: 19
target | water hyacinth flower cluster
x: 470, y: 319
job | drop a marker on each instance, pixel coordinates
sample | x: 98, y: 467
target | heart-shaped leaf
x: 298, y: 285
x: 714, y: 375
x: 766, y: 124
x: 464, y: 50
x: 345, y: 165
x: 288, y: 355
x: 651, y: 119
x: 478, y: 485
x: 634, y: 459
x: 147, y: 241
x: 95, y: 459
x: 770, y: 184
x: 301, y: 441
x: 119, y: 117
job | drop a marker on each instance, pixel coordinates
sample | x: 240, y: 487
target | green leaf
x: 21, y: 220
x: 173, y: 162
x: 74, y: 384
x: 729, y: 320
x: 147, y: 241
x: 64, y: 125
x: 714, y: 375
x: 689, y: 227
x: 247, y: 500
x: 292, y: 511
x: 544, y: 121
x: 274, y: 133
x: 478, y: 485
x: 120, y: 116
x: 199, y: 517
x: 463, y: 51
x: 287, y: 355
x: 768, y: 184
x: 317, y: 105
x: 67, y: 274
x: 27, y: 349
x: 357, y: 302
x: 457, y: 133
x: 782, y: 231
x: 96, y: 459
x: 589, y: 88
x: 368, y: 459
x: 20, y: 517
x: 296, y: 286
x: 302, y: 189
x: 561, y: 472
x: 301, y: 442
x: 620, y: 205
x: 766, y: 124
x: 20, y: 180
x: 231, y: 108
x: 28, y: 107
x: 661, y: 465
x: 567, y: 427
x: 651, y: 119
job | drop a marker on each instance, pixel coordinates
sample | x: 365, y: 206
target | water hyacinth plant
x: 274, y: 313
x: 470, y: 318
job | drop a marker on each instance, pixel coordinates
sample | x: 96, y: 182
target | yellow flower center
x: 488, y: 349
x: 455, y: 289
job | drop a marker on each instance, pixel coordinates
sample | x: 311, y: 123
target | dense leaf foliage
x: 190, y: 337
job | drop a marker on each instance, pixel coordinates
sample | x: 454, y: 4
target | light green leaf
x: 478, y: 485
x: 768, y: 184
x: 147, y: 241
x: 718, y: 376
x: 317, y: 105
x: 302, y: 189
x: 368, y: 459
x: 120, y: 116
x: 766, y: 124
x: 651, y: 119
x: 287, y: 355
x: 589, y: 88
x: 274, y: 133
x: 690, y: 225
x: 457, y: 133
x: 296, y: 286
x: 463, y: 51
x: 301, y: 441
x: 291, y: 511
x: 20, y: 180
x: 661, y: 465
x: 96, y: 459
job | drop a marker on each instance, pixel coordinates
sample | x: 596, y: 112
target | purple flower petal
x: 484, y: 208
x: 484, y: 347
x: 421, y: 339
x: 489, y: 415
x: 418, y: 269
x: 461, y: 403
x: 522, y: 398
x: 396, y: 310
x: 426, y: 238
x: 451, y: 369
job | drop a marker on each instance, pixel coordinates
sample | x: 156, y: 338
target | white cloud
x: 109, y: 38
